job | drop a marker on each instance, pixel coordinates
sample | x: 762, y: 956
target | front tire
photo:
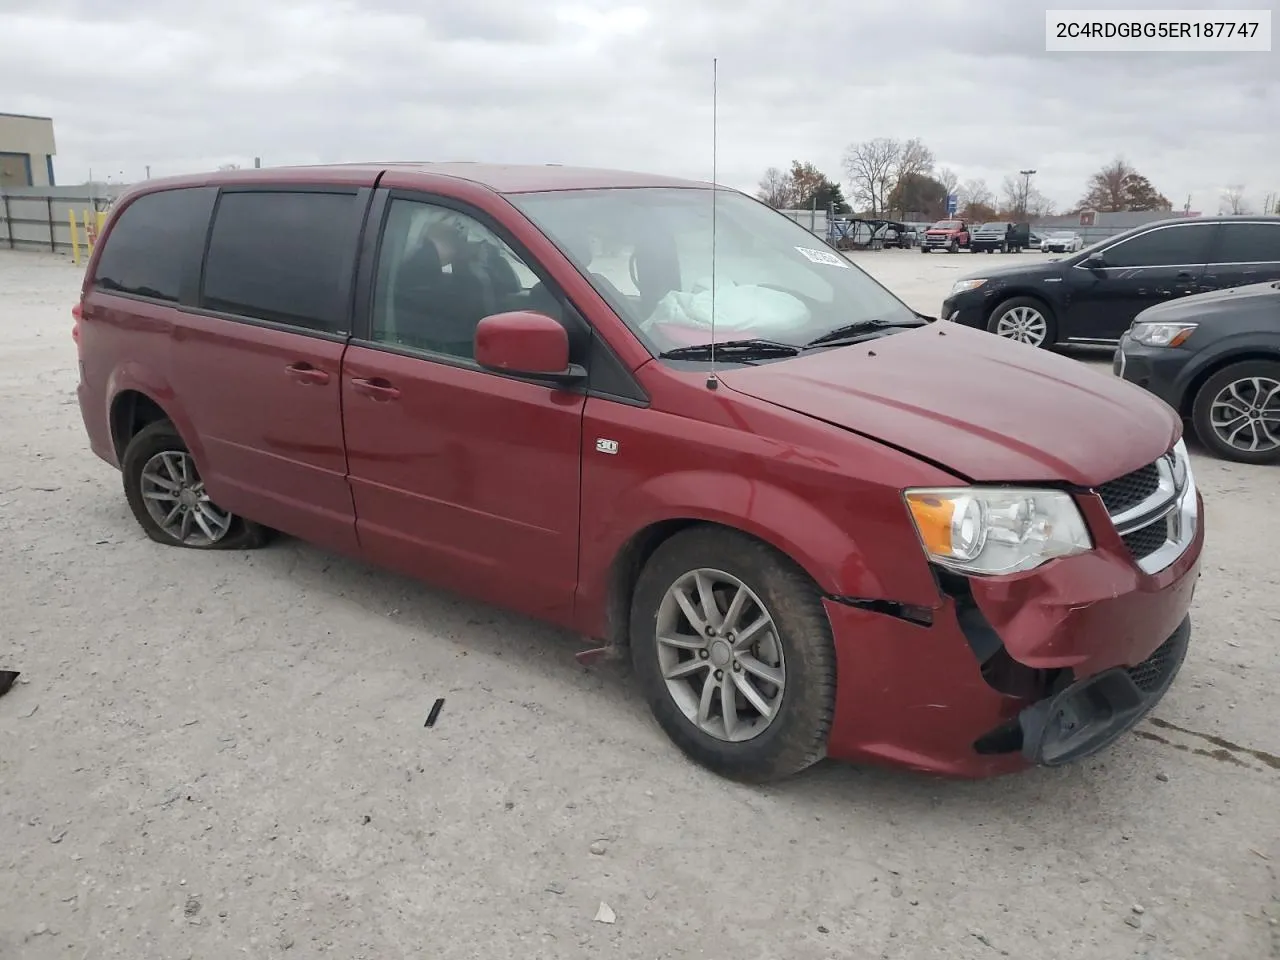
x: 954, y: 247
x: 168, y: 499
x: 1025, y: 320
x: 734, y: 654
x: 1236, y: 412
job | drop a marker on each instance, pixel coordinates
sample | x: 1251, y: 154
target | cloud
x: 628, y: 84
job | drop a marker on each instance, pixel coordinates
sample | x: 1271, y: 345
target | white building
x: 26, y: 151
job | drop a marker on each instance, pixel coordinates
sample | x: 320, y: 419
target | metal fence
x: 40, y: 218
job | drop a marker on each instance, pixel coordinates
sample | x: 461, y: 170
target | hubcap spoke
x: 704, y: 703
x: 686, y: 668
x: 710, y: 611
x: 753, y: 696
x: 735, y: 610
x: 729, y: 706
x: 684, y: 643
x: 762, y: 670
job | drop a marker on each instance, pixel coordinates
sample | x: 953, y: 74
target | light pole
x: 1026, y: 190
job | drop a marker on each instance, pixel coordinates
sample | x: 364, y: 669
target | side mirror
x: 526, y: 344
x: 1093, y: 261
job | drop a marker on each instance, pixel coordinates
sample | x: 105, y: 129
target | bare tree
x: 914, y: 158
x: 947, y: 177
x: 872, y: 167
x: 1038, y: 205
x: 976, y: 193
x: 776, y: 188
x: 1233, y: 200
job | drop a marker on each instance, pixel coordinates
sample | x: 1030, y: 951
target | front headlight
x: 961, y: 286
x: 997, y: 530
x: 1152, y: 334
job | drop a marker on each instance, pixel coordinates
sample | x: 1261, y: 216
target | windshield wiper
x: 733, y: 350
x: 851, y: 330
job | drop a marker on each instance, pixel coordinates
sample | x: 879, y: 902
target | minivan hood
x: 983, y: 407
x: 1203, y: 306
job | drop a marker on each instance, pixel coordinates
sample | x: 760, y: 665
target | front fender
x: 1246, y: 345
x: 883, y: 561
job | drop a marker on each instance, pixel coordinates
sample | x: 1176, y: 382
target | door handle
x: 304, y: 372
x: 375, y: 388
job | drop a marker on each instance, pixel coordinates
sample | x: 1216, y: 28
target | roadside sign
x: 952, y: 204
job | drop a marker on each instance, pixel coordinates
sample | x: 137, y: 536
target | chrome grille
x: 1131, y: 489
x: 1154, y: 509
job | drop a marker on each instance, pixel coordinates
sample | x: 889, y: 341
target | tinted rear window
x: 1249, y: 243
x: 285, y: 257
x: 152, y: 242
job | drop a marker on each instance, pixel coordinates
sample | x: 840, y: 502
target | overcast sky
x: 189, y: 85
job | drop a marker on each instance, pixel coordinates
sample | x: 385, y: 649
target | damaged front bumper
x: 1043, y: 668
x: 1085, y: 716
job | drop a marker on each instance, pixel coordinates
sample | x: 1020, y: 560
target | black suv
x: 1092, y: 296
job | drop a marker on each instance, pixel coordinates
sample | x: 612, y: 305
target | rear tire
x: 1223, y: 404
x: 167, y: 496
x: 737, y: 656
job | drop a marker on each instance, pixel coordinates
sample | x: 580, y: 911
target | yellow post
x: 102, y: 219
x: 75, y: 239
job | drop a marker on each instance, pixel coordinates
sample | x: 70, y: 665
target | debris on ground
x: 435, y: 712
x: 598, y: 847
x: 605, y: 914
x: 7, y: 678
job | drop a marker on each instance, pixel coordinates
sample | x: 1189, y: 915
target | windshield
x: 648, y: 253
x: 946, y: 225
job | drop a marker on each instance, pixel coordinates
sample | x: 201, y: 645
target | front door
x: 259, y: 361
x: 1137, y: 272
x: 460, y: 476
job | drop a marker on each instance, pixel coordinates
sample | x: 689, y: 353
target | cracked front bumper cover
x: 1092, y: 713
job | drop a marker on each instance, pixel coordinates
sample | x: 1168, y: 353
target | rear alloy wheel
x: 1237, y: 412
x: 733, y: 651
x: 1024, y: 320
x: 168, y: 498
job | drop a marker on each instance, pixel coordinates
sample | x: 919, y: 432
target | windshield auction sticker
x: 822, y: 256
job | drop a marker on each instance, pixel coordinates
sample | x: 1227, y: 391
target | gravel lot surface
x: 223, y: 755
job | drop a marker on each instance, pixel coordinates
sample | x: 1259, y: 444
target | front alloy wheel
x: 720, y: 656
x: 1023, y: 320
x: 1237, y: 412
x: 732, y: 648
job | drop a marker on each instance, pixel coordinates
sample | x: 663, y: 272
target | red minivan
x: 665, y: 417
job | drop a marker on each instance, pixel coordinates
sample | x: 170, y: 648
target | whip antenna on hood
x: 712, y: 382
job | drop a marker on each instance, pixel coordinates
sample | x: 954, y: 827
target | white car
x: 1061, y: 242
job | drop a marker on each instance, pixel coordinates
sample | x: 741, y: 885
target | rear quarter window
x: 154, y: 243
x: 284, y: 257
